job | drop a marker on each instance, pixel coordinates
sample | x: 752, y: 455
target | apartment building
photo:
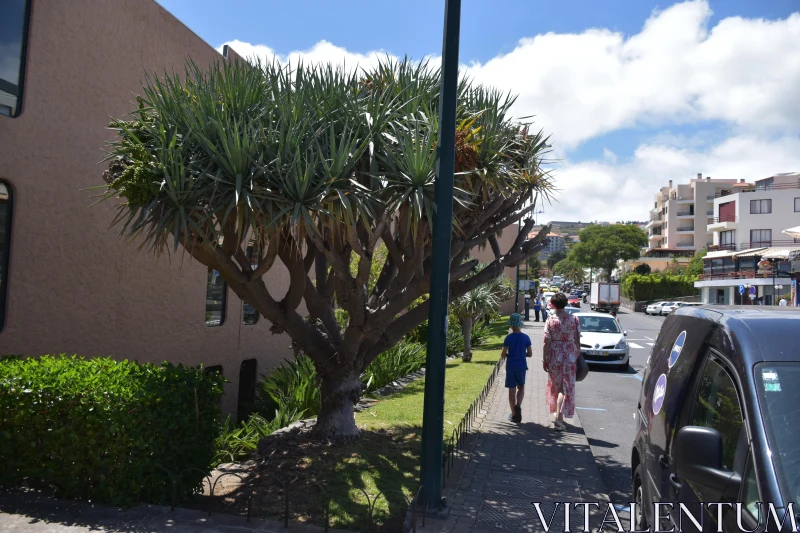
x: 555, y: 243
x: 679, y: 217
x: 754, y: 258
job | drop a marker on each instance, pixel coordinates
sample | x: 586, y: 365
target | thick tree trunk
x: 466, y: 331
x: 341, y: 390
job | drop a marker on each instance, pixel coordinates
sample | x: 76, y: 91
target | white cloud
x: 603, y: 190
x: 677, y: 71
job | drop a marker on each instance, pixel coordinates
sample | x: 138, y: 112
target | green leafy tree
x: 570, y: 270
x: 601, y: 247
x: 555, y: 257
x: 534, y: 268
x: 695, y: 267
x: 643, y: 268
x: 245, y: 165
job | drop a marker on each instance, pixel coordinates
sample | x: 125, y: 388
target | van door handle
x: 664, y: 462
x: 673, y: 480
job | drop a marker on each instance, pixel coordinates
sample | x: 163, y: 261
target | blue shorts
x: 515, y: 378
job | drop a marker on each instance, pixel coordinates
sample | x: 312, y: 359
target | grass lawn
x: 382, y: 465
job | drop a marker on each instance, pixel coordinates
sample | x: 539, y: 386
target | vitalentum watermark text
x: 667, y: 517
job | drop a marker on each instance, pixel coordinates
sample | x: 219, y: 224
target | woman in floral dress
x: 561, y: 351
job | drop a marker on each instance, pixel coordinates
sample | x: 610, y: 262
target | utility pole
x: 433, y: 407
x: 516, y: 294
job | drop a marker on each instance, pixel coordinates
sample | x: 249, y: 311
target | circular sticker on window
x: 677, y: 348
x: 659, y: 393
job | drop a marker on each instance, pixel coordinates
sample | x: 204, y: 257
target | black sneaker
x: 517, y: 414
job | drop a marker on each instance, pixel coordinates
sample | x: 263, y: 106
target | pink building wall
x: 73, y: 285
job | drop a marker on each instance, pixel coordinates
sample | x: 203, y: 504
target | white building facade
x: 750, y: 251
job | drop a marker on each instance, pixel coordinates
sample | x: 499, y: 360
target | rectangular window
x: 727, y: 238
x: 13, y: 37
x: 747, y: 264
x: 760, y: 237
x: 216, y: 293
x: 5, y: 245
x: 760, y: 207
x: 797, y: 205
x: 765, y: 185
x: 249, y: 313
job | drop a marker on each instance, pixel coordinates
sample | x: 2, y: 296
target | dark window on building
x: 13, y: 37
x: 760, y: 207
x: 249, y: 313
x: 765, y: 185
x: 247, y: 388
x: 5, y: 246
x: 797, y: 205
x: 707, y: 267
x: 728, y: 265
x: 216, y: 292
x: 747, y: 264
x: 727, y: 238
x: 760, y: 237
x: 716, y: 266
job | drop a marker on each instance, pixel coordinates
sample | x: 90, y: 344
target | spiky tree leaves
x: 322, y: 168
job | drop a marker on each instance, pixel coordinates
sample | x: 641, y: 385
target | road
x: 606, y: 402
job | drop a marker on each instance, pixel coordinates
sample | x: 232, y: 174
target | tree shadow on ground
x: 366, y: 485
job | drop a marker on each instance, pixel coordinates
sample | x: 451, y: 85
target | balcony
x: 780, y: 186
x: 655, y: 237
x: 687, y: 229
x: 682, y: 200
x: 723, y: 223
x: 710, y: 213
x: 710, y: 198
x: 686, y: 244
x: 685, y: 214
x: 789, y: 243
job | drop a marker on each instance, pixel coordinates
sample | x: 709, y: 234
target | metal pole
x: 433, y: 407
x: 516, y: 294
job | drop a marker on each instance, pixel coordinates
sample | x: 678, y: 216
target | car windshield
x: 669, y: 303
x: 778, y: 396
x: 598, y: 324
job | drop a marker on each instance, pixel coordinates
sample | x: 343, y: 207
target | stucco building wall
x: 73, y: 285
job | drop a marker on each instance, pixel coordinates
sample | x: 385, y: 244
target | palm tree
x: 480, y: 301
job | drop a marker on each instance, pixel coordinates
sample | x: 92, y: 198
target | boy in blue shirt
x: 516, y: 350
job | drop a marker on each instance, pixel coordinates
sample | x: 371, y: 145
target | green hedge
x: 106, y: 430
x: 657, y: 286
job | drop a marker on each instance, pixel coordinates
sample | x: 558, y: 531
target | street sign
x: 741, y: 289
x: 753, y: 291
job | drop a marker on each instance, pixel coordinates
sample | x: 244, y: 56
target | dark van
x: 718, y: 436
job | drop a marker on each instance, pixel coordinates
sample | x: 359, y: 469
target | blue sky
x: 634, y: 93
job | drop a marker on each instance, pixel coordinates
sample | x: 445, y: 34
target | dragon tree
x: 243, y: 165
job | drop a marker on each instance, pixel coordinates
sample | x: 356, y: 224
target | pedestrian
x: 562, y: 333
x: 516, y: 350
x: 783, y: 302
x: 537, y: 306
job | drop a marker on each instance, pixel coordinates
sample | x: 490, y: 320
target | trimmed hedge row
x: 657, y: 286
x: 110, y: 431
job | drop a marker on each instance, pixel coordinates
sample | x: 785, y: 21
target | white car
x: 669, y: 307
x: 546, y: 297
x: 654, y: 308
x: 603, y: 341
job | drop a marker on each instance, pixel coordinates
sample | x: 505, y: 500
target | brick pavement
x: 513, y: 465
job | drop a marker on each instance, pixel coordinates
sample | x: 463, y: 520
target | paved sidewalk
x: 514, y: 465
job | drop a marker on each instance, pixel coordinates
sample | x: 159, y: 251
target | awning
x: 793, y: 232
x: 779, y: 253
x: 752, y: 252
x: 719, y: 254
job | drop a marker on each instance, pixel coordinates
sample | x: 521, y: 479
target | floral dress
x: 561, y: 329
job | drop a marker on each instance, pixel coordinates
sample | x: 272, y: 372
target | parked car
x: 654, y: 308
x: 574, y: 301
x: 717, y: 419
x: 603, y: 340
x: 546, y: 297
x: 669, y: 307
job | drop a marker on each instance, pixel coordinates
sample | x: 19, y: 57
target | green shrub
x: 238, y: 442
x: 656, y: 286
x: 107, y: 430
x: 291, y: 387
x: 394, y: 363
x: 479, y: 333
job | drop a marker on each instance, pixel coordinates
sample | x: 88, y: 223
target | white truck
x: 604, y: 297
